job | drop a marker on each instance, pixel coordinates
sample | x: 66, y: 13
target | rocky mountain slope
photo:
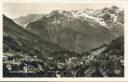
x: 114, y: 19
x: 79, y: 30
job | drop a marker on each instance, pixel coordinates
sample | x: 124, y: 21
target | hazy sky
x: 14, y: 10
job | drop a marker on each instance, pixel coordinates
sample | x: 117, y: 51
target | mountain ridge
x: 52, y: 27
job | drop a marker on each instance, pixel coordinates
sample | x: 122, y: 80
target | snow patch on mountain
x: 79, y: 14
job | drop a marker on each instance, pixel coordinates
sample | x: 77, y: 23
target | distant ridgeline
x: 88, y: 43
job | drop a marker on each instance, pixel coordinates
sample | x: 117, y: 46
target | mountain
x: 114, y: 19
x: 18, y: 40
x: 73, y: 30
x: 24, y: 20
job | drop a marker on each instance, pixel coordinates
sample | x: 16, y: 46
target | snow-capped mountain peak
x: 88, y: 15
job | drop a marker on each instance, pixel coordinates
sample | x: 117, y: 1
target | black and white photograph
x: 55, y: 40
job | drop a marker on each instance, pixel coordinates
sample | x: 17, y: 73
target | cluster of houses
x: 17, y: 63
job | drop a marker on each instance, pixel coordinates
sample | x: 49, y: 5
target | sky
x: 15, y: 10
